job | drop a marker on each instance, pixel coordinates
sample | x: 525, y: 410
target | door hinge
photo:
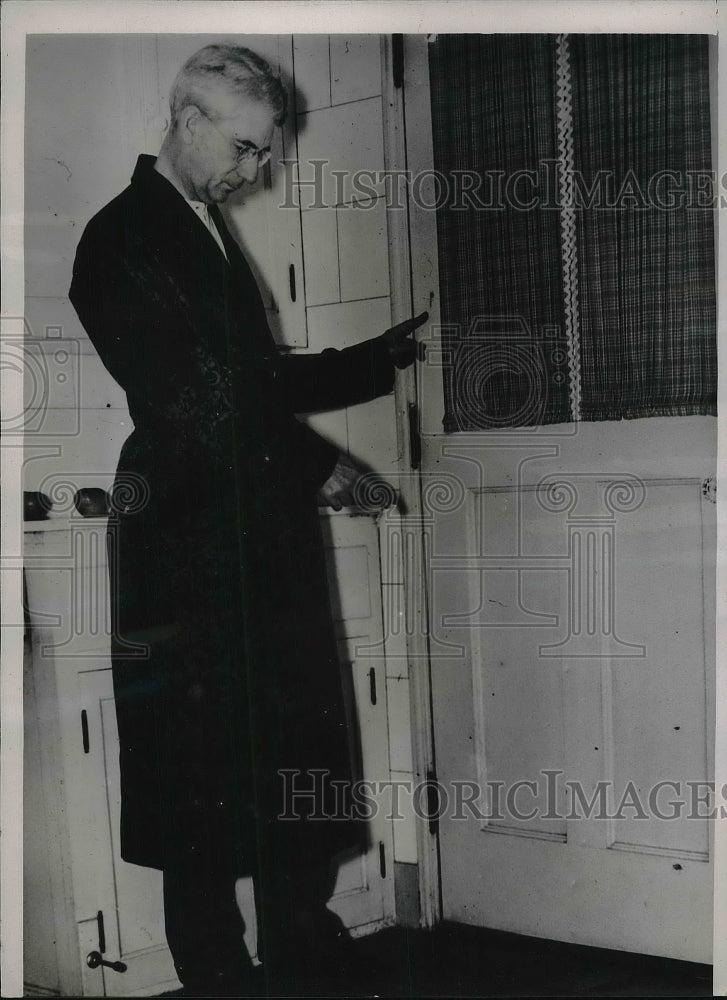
x: 84, y: 730
x: 433, y: 802
x: 415, y: 439
x: 397, y: 60
x: 291, y: 282
x: 372, y: 685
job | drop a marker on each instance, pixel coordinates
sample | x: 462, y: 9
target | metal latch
x: 94, y: 959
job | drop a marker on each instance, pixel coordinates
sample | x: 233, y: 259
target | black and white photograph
x: 362, y: 547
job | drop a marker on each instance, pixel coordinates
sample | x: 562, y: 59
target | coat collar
x: 174, y: 223
x: 145, y: 176
x: 170, y: 209
x: 162, y: 197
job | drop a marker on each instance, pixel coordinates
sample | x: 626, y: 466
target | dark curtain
x: 646, y: 266
x: 500, y: 273
x: 646, y: 331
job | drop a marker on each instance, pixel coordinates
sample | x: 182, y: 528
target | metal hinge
x: 433, y: 802
x: 84, y: 730
x: 415, y: 440
x: 372, y: 686
x: 397, y: 60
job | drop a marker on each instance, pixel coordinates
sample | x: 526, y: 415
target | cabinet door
x: 128, y: 899
x: 364, y: 891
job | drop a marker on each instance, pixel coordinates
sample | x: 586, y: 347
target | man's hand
x: 350, y: 485
x: 337, y: 491
x: 402, y: 347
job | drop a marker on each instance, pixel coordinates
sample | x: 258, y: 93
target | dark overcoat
x: 224, y: 658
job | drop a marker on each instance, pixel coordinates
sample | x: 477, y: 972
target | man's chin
x: 223, y: 191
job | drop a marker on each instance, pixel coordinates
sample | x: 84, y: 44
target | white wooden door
x: 570, y: 581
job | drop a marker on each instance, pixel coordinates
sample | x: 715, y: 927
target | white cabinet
x: 98, y: 902
x: 80, y: 896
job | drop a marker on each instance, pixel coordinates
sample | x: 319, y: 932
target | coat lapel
x: 180, y: 235
x: 226, y: 296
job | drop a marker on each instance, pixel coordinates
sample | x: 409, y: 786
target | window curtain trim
x: 569, y: 236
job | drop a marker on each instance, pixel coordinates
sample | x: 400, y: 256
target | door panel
x: 572, y: 665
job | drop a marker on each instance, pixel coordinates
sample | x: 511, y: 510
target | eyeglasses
x: 244, y: 151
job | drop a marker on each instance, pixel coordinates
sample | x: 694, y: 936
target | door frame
x: 408, y: 236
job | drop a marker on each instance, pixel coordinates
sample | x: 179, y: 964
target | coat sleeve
x: 337, y: 378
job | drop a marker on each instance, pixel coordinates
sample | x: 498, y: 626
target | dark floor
x: 459, y: 961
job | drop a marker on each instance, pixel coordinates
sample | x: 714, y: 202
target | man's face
x: 225, y: 153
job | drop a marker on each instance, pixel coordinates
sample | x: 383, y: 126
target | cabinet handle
x: 291, y: 282
x: 94, y: 960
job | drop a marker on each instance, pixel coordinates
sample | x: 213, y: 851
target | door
x: 570, y: 579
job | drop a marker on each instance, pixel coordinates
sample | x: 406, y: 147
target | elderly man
x: 224, y: 659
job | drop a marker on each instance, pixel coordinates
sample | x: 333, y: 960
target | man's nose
x: 248, y: 169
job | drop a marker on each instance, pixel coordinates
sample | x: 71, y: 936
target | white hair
x: 232, y: 69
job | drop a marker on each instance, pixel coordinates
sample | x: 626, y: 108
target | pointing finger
x: 402, y: 330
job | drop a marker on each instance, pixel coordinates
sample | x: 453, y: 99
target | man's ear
x: 189, y: 119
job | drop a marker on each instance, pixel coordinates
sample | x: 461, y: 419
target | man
x: 224, y: 659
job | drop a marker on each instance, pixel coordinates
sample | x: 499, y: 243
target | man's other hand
x: 351, y: 485
x: 403, y: 349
